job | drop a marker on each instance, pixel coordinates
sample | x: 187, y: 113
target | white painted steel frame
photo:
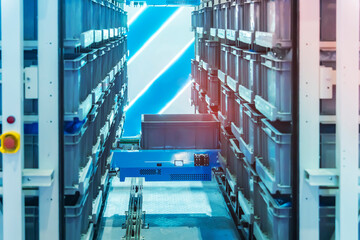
x: 347, y: 111
x: 48, y: 47
x: 309, y: 128
x: 12, y: 105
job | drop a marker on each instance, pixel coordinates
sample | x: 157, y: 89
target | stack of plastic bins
x: 328, y: 146
x: 276, y: 85
x: 276, y: 30
x: 224, y: 60
x: 213, y: 93
x: 251, y: 137
x: 274, y: 164
x: 226, y: 113
x: 237, y: 124
x: 213, y: 54
x: 236, y: 69
x: 194, y: 23
x: 253, y: 20
x: 273, y: 215
x: 225, y: 136
x: 246, y: 178
x: 208, y: 19
x: 77, y: 212
x: 251, y: 76
x: 233, y: 167
x: 75, y: 82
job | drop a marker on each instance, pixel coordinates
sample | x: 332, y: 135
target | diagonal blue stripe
x: 160, y: 93
x: 146, y: 25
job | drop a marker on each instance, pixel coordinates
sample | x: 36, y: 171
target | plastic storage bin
x: 213, y: 54
x: 236, y: 69
x: 274, y: 215
x: 213, y: 92
x: 201, y: 49
x: 226, y: 113
x: 274, y: 165
x: 75, y: 82
x: 237, y: 124
x: 225, y: 136
x: 77, y: 212
x: 252, y: 15
x: 202, y: 108
x: 328, y: 146
x: 276, y: 86
x: 276, y: 30
x: 251, y: 76
x: 246, y: 178
x: 179, y: 131
x: 251, y: 137
x: 216, y: 16
x: 194, y: 94
x: 224, y: 15
x: 224, y: 61
x: 208, y: 18
x: 234, y: 158
x: 194, y: 17
x: 203, y: 78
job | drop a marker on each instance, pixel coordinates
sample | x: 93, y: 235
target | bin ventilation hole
x: 190, y: 177
x: 150, y: 171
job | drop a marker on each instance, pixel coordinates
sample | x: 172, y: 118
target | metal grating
x: 150, y: 171
x: 190, y: 177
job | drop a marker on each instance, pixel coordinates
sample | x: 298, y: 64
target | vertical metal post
x: 48, y: 56
x: 347, y: 112
x: 12, y: 102
x: 309, y: 132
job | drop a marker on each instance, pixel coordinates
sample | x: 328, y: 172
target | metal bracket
x: 35, y: 177
x: 323, y: 177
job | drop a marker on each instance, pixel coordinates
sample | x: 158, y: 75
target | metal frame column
x: 309, y: 127
x: 48, y: 52
x: 347, y: 112
x: 12, y: 102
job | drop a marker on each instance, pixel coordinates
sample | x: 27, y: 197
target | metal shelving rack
x: 43, y: 182
x: 343, y: 180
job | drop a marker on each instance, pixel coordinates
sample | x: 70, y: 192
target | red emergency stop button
x: 9, y: 143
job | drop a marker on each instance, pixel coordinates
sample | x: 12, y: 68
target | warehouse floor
x: 174, y: 210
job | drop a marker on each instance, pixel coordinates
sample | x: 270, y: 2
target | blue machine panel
x: 166, y: 165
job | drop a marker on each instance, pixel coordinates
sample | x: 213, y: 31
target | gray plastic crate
x: 236, y: 69
x: 216, y: 16
x: 252, y: 15
x: 251, y: 75
x: 224, y: 57
x: 240, y: 14
x: 274, y: 164
x: 201, y: 49
x: 224, y: 15
x: 208, y: 18
x: 276, y: 29
x: 203, y: 79
x: 237, y: 124
x: 226, y: 113
x: 328, y: 146
x: 179, y: 131
x: 194, y: 22
x: 77, y: 212
x: 233, y: 16
x: 234, y: 158
x: 213, y: 90
x: 246, y: 177
x: 202, y: 108
x: 213, y: 54
x: 194, y: 94
x: 75, y: 81
x: 231, y: 66
x: 225, y: 136
x: 74, y: 19
x: 250, y: 141
x: 276, y: 85
x: 274, y: 215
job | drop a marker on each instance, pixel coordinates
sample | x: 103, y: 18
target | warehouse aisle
x: 174, y: 210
